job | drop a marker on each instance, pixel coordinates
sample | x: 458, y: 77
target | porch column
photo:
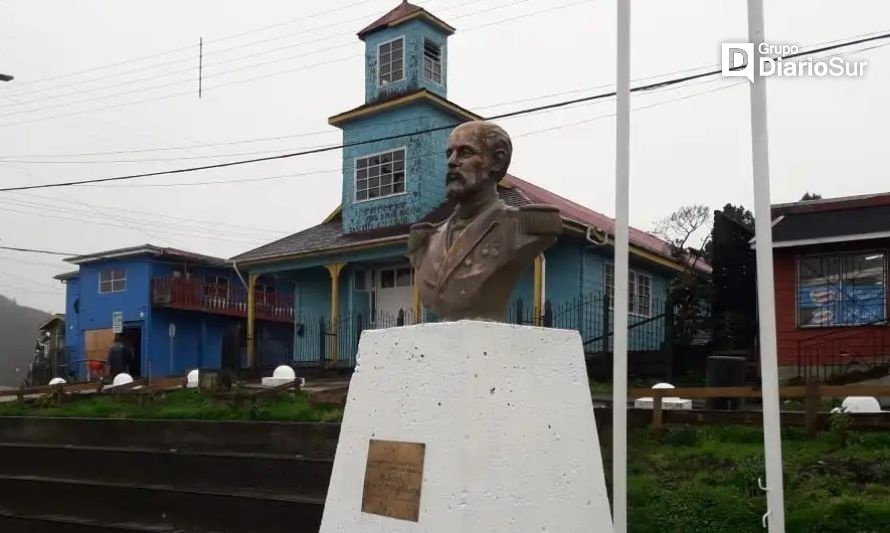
x: 334, y: 270
x: 415, y: 299
x: 251, y: 318
x: 539, y: 290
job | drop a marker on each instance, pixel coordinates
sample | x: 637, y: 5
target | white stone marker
x: 667, y: 402
x: 282, y: 374
x: 192, y: 379
x: 121, y: 379
x: 57, y: 381
x: 501, y: 418
x: 861, y: 404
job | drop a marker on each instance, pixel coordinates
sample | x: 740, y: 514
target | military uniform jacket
x: 473, y: 275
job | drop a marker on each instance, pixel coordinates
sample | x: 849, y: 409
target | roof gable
x: 403, y: 13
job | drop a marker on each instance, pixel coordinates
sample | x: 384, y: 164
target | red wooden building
x: 830, y: 260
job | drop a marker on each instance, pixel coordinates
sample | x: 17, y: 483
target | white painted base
x: 274, y: 382
x: 506, y: 416
x: 666, y: 403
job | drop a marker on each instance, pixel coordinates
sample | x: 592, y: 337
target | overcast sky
x: 281, y: 68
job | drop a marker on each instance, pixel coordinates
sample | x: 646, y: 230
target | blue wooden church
x: 349, y: 273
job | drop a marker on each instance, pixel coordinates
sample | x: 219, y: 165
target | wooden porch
x: 220, y: 299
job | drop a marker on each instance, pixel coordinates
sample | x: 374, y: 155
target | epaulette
x: 419, y: 234
x: 540, y: 219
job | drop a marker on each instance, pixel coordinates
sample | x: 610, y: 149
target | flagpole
x: 772, y: 430
x: 622, y: 215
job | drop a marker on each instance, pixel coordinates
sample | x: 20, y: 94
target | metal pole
x: 769, y: 371
x: 622, y: 215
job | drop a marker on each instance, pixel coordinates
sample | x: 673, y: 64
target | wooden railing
x: 198, y: 295
x: 812, y: 393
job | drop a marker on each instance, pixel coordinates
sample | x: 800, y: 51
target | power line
x: 263, y: 76
x: 557, y: 105
x: 37, y: 251
x: 376, y: 125
x: 190, y: 69
x: 180, y: 49
x: 339, y: 170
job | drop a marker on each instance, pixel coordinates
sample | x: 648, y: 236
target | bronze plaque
x: 393, y: 477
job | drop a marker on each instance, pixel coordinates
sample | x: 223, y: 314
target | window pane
x: 399, y: 177
x: 398, y: 155
x: 361, y: 174
x: 374, y: 172
x: 403, y: 278
x: 398, y: 188
x: 373, y: 193
x: 818, y: 291
x: 118, y: 285
x: 361, y: 195
x: 386, y: 180
x: 387, y: 279
x: 385, y: 190
x: 104, y: 286
x: 373, y: 183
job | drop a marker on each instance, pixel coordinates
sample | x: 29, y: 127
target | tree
x: 808, y: 197
x: 692, y: 288
x: 740, y: 215
x: 683, y: 227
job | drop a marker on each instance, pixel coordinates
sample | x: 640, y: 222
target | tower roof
x: 403, y: 13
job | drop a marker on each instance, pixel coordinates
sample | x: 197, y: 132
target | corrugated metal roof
x: 147, y: 249
x: 400, y: 12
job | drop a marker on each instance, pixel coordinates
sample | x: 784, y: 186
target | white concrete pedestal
x: 507, y: 422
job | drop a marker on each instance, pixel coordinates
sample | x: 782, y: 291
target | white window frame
x: 634, y: 277
x: 404, y: 66
x: 112, y: 280
x: 355, y: 170
x: 441, y: 62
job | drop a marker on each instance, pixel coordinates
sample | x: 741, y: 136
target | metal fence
x: 325, y: 342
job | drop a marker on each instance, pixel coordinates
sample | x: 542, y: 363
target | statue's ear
x: 499, y: 160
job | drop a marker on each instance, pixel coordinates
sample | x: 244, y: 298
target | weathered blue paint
x: 413, y: 33
x: 424, y: 164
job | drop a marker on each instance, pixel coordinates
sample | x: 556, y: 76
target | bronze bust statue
x: 468, y: 265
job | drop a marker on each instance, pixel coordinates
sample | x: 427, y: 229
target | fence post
x: 657, y: 412
x: 548, y: 315
x: 669, y: 338
x: 812, y: 407
x: 322, y: 341
x: 605, y: 326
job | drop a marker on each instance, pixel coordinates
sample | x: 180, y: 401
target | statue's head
x: 478, y: 156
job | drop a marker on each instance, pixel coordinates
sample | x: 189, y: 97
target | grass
x: 704, y: 479
x: 181, y: 404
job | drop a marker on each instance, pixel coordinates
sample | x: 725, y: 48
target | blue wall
x: 73, y: 335
x: 414, y: 33
x: 424, y: 166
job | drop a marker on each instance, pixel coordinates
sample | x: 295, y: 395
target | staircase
x: 91, y: 475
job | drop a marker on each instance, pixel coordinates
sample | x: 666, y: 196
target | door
x: 132, y: 339
x: 393, y: 297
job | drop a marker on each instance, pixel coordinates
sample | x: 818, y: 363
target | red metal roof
x: 401, y: 11
x: 579, y: 213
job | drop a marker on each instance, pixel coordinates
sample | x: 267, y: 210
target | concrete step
x: 10, y: 523
x: 158, y: 506
x: 270, y: 474
x: 286, y: 438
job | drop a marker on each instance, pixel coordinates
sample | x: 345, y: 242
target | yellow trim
x: 423, y: 94
x: 415, y: 298
x: 333, y: 214
x: 251, y: 319
x: 430, y: 18
x: 539, y: 290
x: 334, y: 270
